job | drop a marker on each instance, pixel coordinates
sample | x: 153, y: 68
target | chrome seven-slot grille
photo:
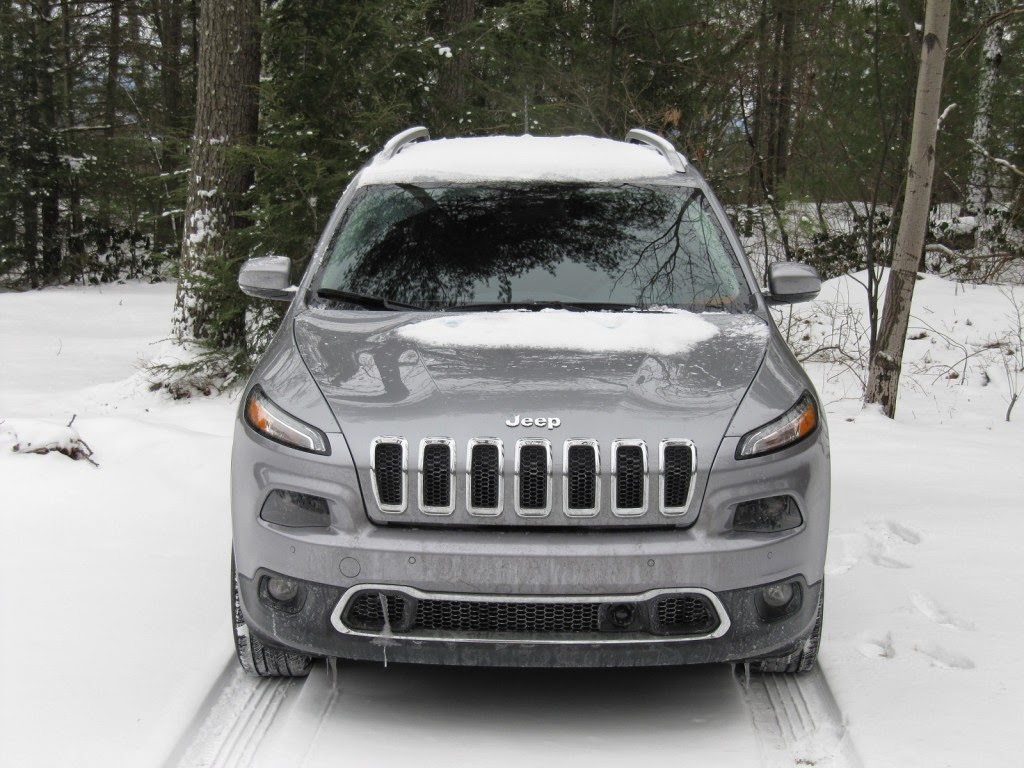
x: 483, y: 481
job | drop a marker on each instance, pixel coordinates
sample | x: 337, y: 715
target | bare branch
x: 997, y: 160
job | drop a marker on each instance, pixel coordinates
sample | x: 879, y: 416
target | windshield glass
x: 625, y: 245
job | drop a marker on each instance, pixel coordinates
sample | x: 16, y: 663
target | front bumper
x: 312, y: 627
x: 352, y: 552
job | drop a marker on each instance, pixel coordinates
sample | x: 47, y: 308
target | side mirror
x: 790, y: 282
x: 267, y: 277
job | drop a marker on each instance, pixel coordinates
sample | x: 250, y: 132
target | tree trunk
x: 75, y: 241
x: 979, y: 188
x: 454, y: 70
x: 884, y: 373
x: 49, y: 157
x: 168, y: 16
x: 787, y: 19
x: 113, y: 69
x: 226, y: 120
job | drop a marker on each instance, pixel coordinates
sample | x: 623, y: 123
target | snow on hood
x: 669, y: 332
x: 518, y: 158
x: 495, y: 361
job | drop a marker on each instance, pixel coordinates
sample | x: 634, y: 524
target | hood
x: 438, y: 366
x: 594, y: 375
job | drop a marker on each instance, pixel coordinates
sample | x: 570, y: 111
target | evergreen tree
x: 226, y: 121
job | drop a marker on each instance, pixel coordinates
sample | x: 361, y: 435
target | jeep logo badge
x: 551, y: 422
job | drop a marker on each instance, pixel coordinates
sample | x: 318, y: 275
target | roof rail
x: 399, y: 140
x: 663, y: 145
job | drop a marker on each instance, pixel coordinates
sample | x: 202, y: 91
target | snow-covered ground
x: 113, y: 578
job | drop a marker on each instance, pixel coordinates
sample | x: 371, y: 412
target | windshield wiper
x: 363, y: 300
x: 573, y: 306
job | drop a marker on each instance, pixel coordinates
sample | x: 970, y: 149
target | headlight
x: 270, y: 421
x: 791, y: 427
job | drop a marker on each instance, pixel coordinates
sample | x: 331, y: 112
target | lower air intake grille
x: 366, y: 612
x: 387, y: 461
x: 685, y: 614
x: 463, y: 616
x: 416, y: 615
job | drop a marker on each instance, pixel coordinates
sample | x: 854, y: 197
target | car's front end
x: 471, y: 445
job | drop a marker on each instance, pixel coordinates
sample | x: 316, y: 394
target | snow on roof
x: 519, y: 158
x: 667, y: 332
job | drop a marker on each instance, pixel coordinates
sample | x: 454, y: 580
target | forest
x: 799, y: 114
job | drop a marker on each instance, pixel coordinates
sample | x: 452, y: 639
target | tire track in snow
x: 231, y: 722
x: 241, y: 724
x: 797, y: 720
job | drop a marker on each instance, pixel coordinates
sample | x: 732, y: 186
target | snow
x: 115, y: 597
x: 518, y: 158
x: 663, y: 333
x: 922, y: 619
x: 39, y: 436
x: 114, y: 580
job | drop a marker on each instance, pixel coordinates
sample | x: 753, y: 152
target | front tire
x: 255, y: 657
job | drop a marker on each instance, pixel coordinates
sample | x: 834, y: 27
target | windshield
x: 626, y: 245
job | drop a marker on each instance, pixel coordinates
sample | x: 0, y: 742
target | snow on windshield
x: 671, y: 332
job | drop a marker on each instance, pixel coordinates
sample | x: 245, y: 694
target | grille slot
x: 484, y: 472
x: 581, y: 486
x: 629, y: 478
x: 685, y: 615
x: 677, y: 467
x: 388, y: 470
x: 437, y: 476
x: 535, y: 618
x: 533, y: 478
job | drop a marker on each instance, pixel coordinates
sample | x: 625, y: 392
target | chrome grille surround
x: 629, y: 511
x: 470, y: 453
x: 390, y: 509
x: 671, y: 468
x: 667, y: 510
x: 435, y: 509
x: 610, y: 638
x: 531, y: 511
x: 566, y: 479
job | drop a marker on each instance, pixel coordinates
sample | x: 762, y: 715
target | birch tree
x: 226, y: 120
x: 884, y: 372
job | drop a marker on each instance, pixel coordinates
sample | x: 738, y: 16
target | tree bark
x: 454, y: 70
x: 226, y: 120
x: 979, y: 188
x: 168, y: 18
x: 884, y: 372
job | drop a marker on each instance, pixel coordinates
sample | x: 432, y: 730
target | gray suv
x: 528, y: 407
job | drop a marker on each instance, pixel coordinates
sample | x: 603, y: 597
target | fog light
x: 296, y: 510
x: 777, y: 601
x: 777, y: 595
x: 769, y: 515
x: 282, y: 590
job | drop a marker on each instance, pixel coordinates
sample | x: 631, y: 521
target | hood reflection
x: 359, y: 361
